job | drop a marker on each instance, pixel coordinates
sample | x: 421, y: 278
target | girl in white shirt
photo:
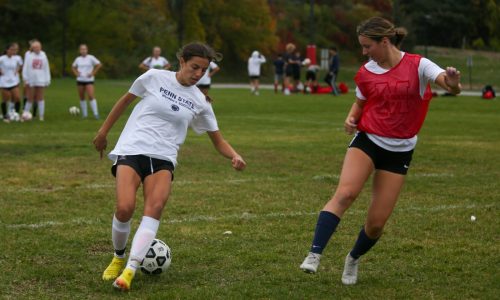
x: 254, y: 63
x: 155, y: 61
x: 36, y: 71
x: 147, y: 149
x: 85, y: 67
x: 10, y: 67
x: 204, y: 83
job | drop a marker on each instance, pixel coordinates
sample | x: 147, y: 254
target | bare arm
x: 96, y: 68
x: 143, y: 67
x: 351, y: 122
x: 100, y: 141
x: 213, y: 71
x: 75, y: 71
x: 226, y: 150
x: 450, y: 80
x: 167, y: 67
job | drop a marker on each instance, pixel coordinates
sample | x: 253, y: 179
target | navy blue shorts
x: 395, y: 162
x: 143, y: 165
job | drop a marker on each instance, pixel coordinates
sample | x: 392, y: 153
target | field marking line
x: 239, y: 216
x: 92, y: 186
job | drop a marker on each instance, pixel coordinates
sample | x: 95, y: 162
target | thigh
x: 89, y: 88
x: 157, y: 188
x: 5, y: 95
x: 39, y: 93
x: 15, y: 94
x: 81, y: 91
x: 356, y: 170
x: 127, y: 183
x: 386, y: 189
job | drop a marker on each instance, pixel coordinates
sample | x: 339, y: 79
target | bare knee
x: 345, y: 197
x: 124, y: 212
x: 374, y: 230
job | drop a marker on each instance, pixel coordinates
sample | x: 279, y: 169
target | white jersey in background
x: 159, y: 122
x: 36, y: 69
x: 427, y: 72
x: 155, y: 63
x: 254, y: 63
x: 206, y: 79
x: 9, y: 68
x: 26, y: 55
x: 85, y: 65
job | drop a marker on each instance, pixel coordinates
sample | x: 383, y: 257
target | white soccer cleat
x: 350, y: 274
x: 311, y: 263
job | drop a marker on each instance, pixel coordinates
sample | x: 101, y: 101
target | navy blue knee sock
x: 327, y: 223
x: 363, y: 244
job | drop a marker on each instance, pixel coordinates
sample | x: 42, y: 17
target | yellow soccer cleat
x: 124, y: 282
x: 114, y: 268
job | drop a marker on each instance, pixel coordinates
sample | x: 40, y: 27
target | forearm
x: 115, y: 113
x: 225, y: 149
x: 75, y: 71
x: 96, y: 68
x: 356, y: 110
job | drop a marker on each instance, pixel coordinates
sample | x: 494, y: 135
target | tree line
x: 121, y: 33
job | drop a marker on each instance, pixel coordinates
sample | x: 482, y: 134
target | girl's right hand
x: 100, y: 142
x: 350, y: 125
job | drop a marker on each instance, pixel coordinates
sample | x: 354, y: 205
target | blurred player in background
x: 85, y: 67
x: 279, y: 71
x: 254, y: 65
x: 26, y: 88
x: 392, y: 98
x: 36, y: 71
x: 10, y: 67
x: 146, y: 151
x: 206, y: 80
x: 311, y: 84
x: 155, y: 61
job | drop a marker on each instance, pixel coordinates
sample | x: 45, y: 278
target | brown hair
x: 377, y: 28
x: 200, y: 50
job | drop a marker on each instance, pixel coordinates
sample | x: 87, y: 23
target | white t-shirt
x: 155, y: 63
x: 26, y: 55
x: 85, y: 65
x: 9, y: 66
x: 36, y: 69
x: 254, y: 63
x: 206, y: 79
x: 159, y: 122
x: 427, y: 72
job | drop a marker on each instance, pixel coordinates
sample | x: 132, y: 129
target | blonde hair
x: 290, y: 47
x: 377, y: 28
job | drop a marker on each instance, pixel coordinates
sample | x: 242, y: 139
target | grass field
x: 57, y: 199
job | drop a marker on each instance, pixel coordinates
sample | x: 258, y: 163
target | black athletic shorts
x: 10, y: 88
x: 311, y: 75
x: 395, y: 162
x: 203, y: 86
x: 254, y: 77
x: 143, y: 165
x: 84, y: 82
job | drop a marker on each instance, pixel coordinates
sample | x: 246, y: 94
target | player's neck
x: 392, y: 59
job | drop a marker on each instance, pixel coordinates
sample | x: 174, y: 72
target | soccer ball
x: 14, y: 116
x: 157, y: 259
x: 26, y: 116
x: 74, y: 111
x: 306, y: 62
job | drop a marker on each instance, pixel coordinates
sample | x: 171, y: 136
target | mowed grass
x: 57, y: 201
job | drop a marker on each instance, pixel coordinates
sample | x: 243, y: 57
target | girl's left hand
x: 238, y: 163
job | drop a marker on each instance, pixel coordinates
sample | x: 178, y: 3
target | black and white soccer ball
x: 74, y: 111
x: 158, y: 258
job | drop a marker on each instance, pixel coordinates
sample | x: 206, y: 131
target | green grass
x: 57, y: 201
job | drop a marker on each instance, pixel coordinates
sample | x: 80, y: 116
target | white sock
x: 27, y: 106
x: 83, y: 106
x: 41, y: 108
x: 142, y: 241
x: 119, y: 234
x: 93, y: 105
x: 10, y: 106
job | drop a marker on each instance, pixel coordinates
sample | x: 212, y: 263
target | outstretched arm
x: 100, y: 141
x: 226, y: 150
x: 450, y: 80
